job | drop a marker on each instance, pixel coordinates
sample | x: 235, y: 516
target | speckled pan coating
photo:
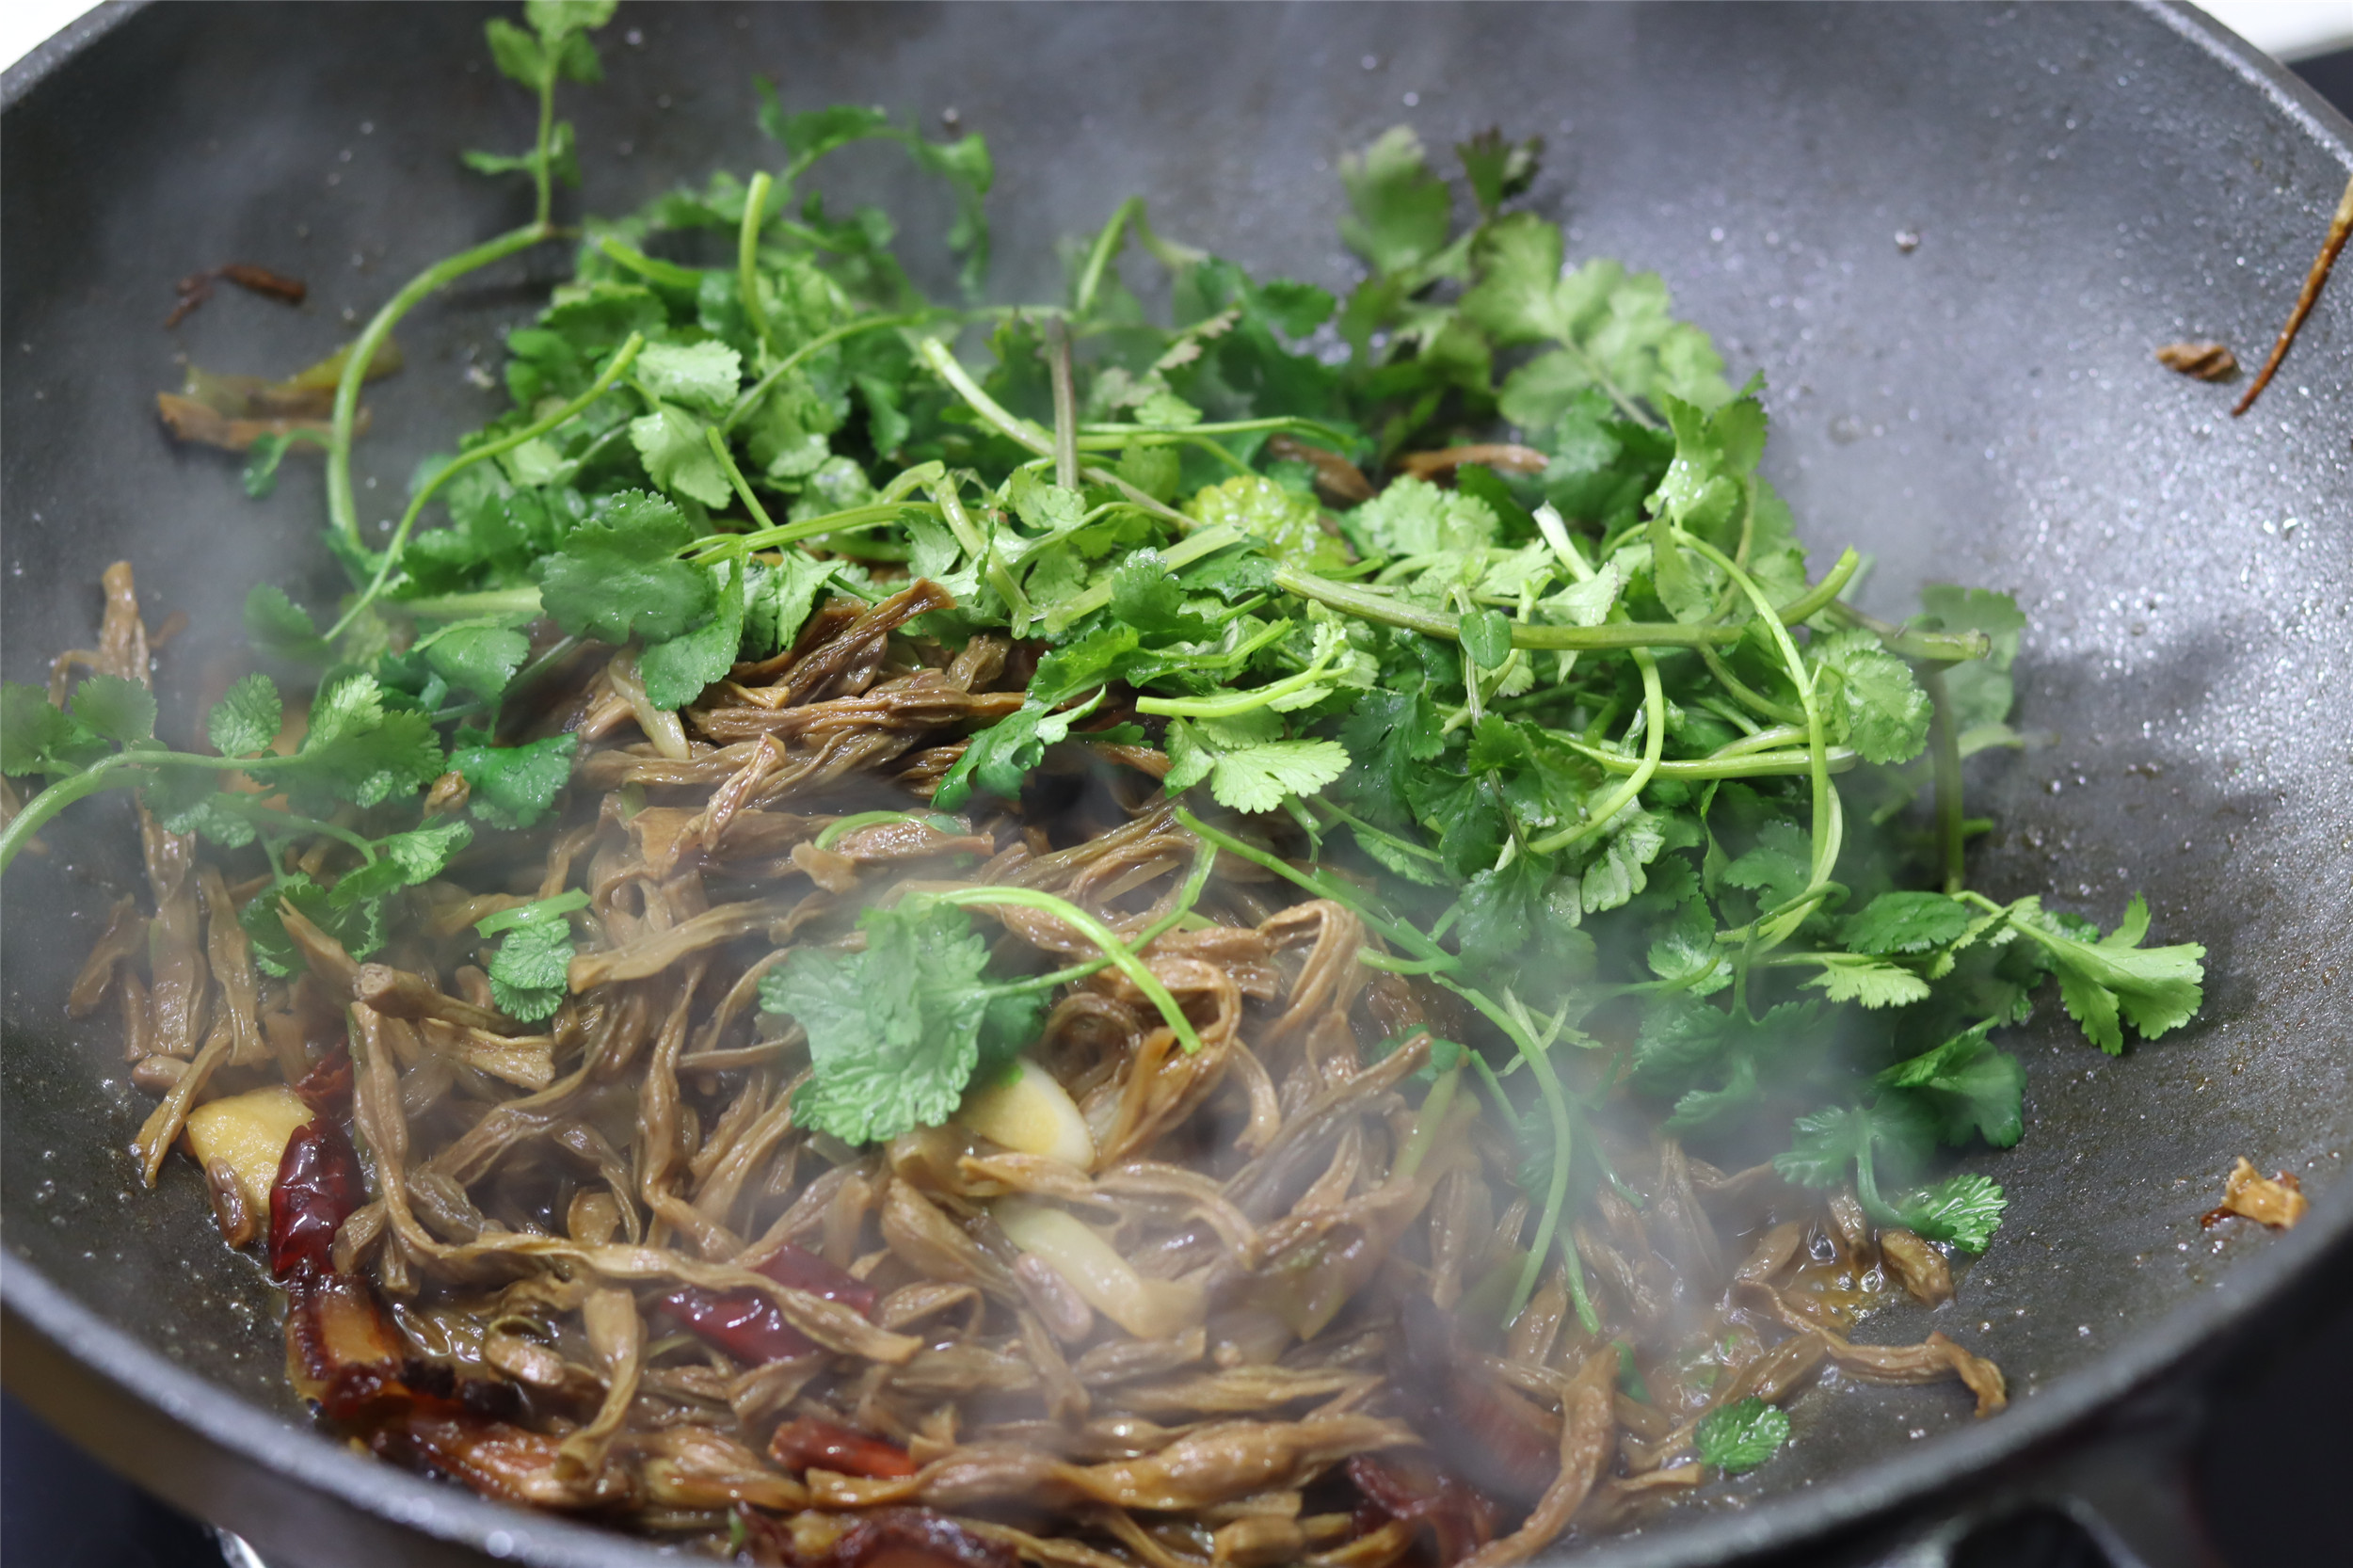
x: 2085, y: 182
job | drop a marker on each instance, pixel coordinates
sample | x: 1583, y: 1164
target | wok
x: 2087, y: 182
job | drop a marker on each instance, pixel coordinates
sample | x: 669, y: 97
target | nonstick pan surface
x: 2086, y: 182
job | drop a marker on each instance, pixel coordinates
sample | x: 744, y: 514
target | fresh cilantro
x: 1247, y: 767
x: 528, y: 972
x: 620, y: 577
x: 2156, y: 989
x: 1962, y: 1209
x: 1874, y: 705
x: 118, y: 710
x: 512, y: 786
x: 356, y: 922
x: 1867, y: 982
x: 897, y: 1031
x: 677, y: 670
x: 1970, y: 1085
x: 1399, y: 212
x: 246, y: 718
x: 1740, y: 1435
x: 677, y: 453
x: 1906, y: 922
x: 704, y: 375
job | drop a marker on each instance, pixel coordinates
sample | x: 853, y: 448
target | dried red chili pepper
x: 750, y: 1327
x: 318, y: 1186
x: 914, y: 1537
x: 327, y: 1087
x: 1412, y: 1487
x: 802, y: 1270
x: 807, y: 1442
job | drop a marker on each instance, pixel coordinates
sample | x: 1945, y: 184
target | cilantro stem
x: 1944, y: 754
x: 1100, y: 254
x: 1950, y: 648
x: 1234, y: 704
x: 743, y: 490
x: 1825, y: 798
x: 1366, y: 829
x: 834, y: 831
x: 1370, y: 605
x: 666, y: 274
x: 1115, y: 950
x: 1721, y: 765
x: 343, y: 513
x: 1654, y: 743
x: 1434, y: 1104
x: 1400, y: 932
x: 1193, y: 547
x: 1026, y: 433
x: 984, y: 552
x: 1111, y: 436
x: 1106, y: 247
x: 1066, y: 404
x: 748, y: 256
x: 724, y: 547
x: 490, y: 601
x: 1557, y: 1107
x: 1187, y: 897
x: 1755, y: 701
x: 108, y: 773
x: 1371, y: 959
x: 759, y: 389
x: 425, y: 492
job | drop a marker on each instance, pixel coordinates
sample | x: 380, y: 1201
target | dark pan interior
x: 2086, y: 182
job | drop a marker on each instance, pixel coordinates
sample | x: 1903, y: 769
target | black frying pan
x: 2087, y: 182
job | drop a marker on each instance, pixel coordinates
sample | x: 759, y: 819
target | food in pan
x: 1300, y: 937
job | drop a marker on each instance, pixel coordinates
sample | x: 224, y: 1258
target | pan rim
x: 2069, y: 1404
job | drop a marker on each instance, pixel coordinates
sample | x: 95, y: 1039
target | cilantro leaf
x: 246, y: 718
x: 357, y: 923
x: 1245, y: 773
x: 404, y: 859
x: 1497, y: 169
x: 477, y: 657
x: 676, y: 671
x: 1413, y: 516
x: 778, y: 599
x: 1399, y: 212
x: 1874, y: 705
x: 1871, y: 982
x: 1779, y: 868
x: 357, y: 749
x: 896, y: 1032
x: 121, y: 711
x: 528, y: 971
x: 677, y: 455
x: 1906, y: 922
x: 1486, y: 636
x: 1387, y: 733
x: 1616, y: 330
x: 512, y: 786
x: 1964, y: 1209
x: 1972, y: 1086
x: 36, y: 737
x: 620, y: 577
x: 2156, y: 989
x: 704, y: 375
x: 1741, y: 1435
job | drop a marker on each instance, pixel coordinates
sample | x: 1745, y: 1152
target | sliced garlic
x: 248, y: 1133
x: 1147, y: 1308
x: 1030, y: 1113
